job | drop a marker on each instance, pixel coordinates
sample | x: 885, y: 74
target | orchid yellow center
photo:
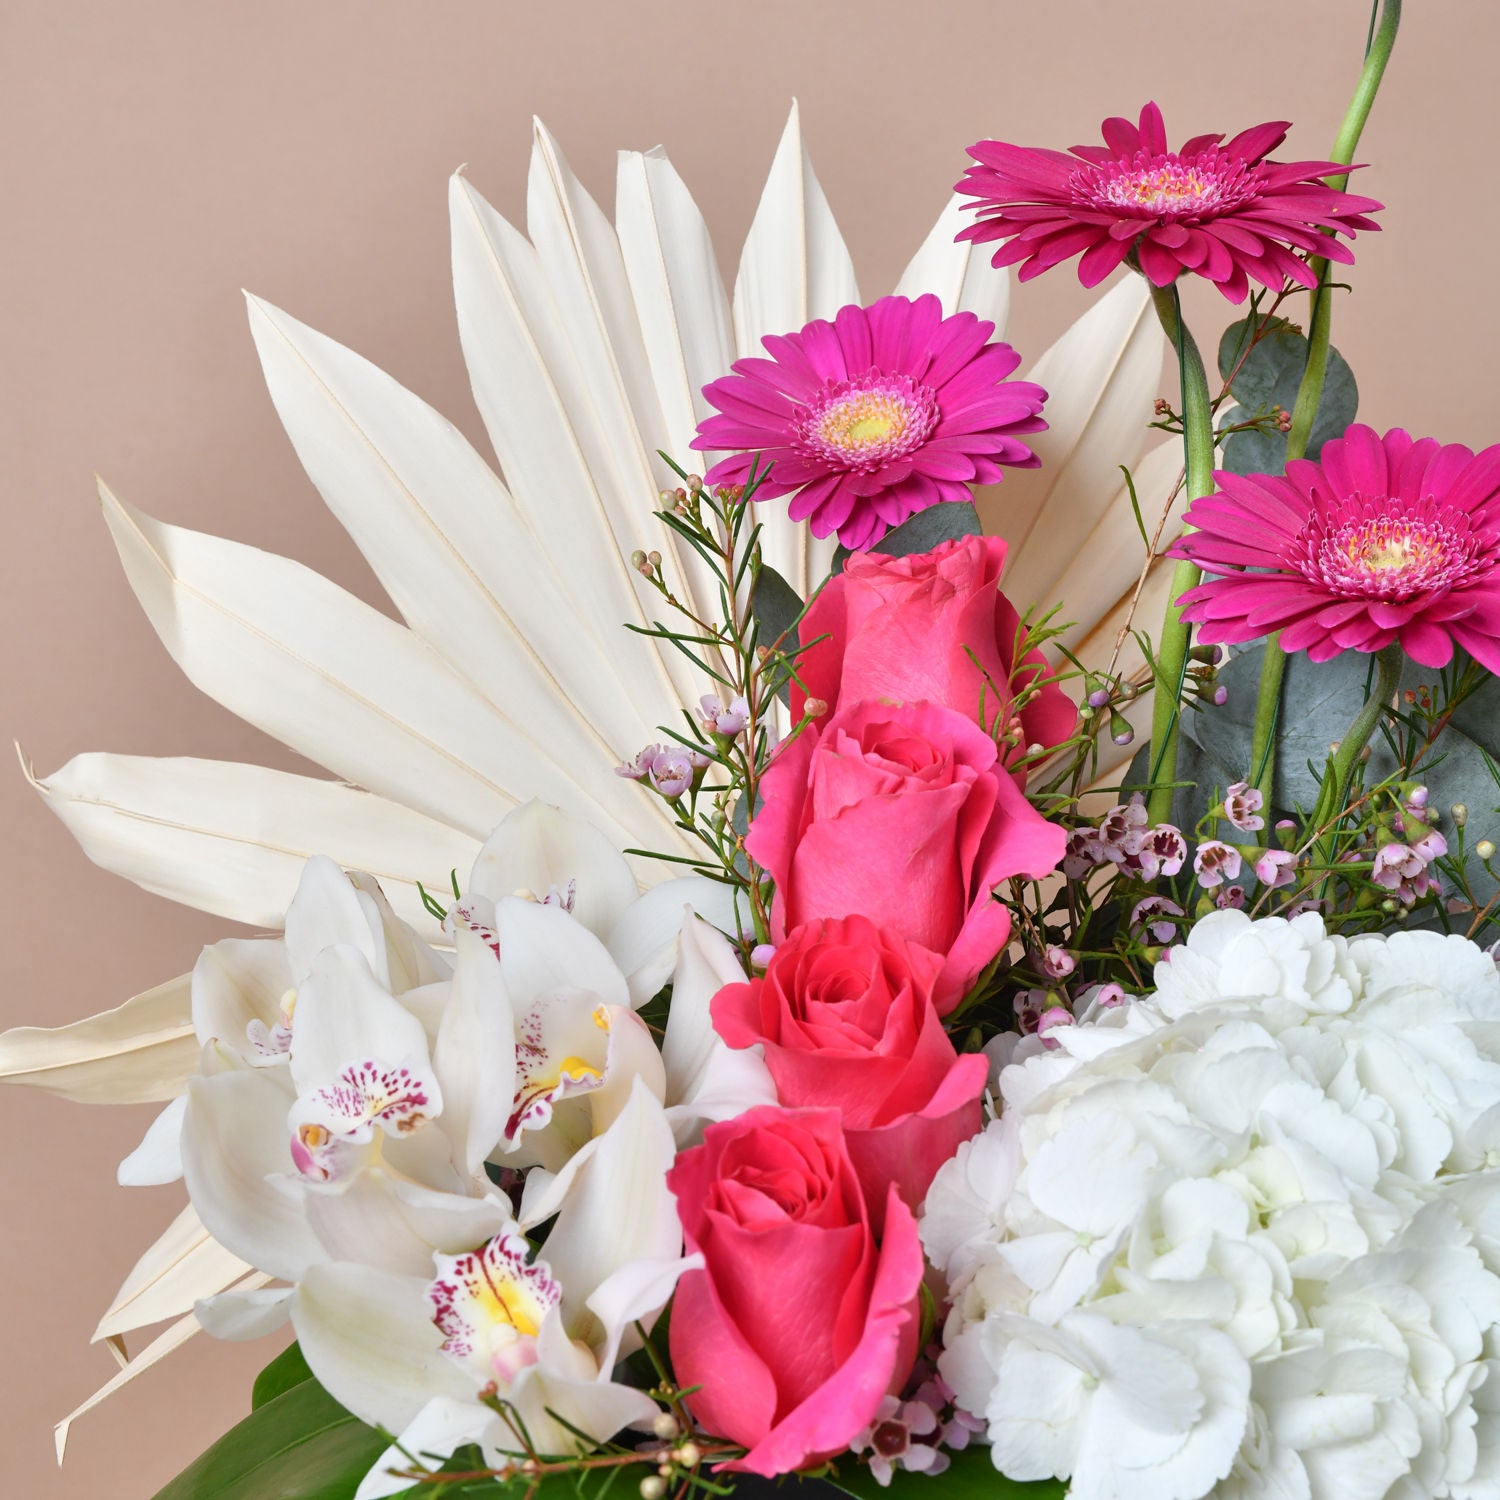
x: 489, y: 1305
x: 509, y: 1301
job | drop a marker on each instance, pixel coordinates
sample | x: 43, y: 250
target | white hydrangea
x: 1241, y: 1237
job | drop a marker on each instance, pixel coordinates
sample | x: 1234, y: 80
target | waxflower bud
x: 638, y: 560
x: 1485, y: 849
x: 653, y: 1487
x: 689, y: 1455
x: 1459, y: 812
x: 1119, y: 729
x: 814, y: 708
x: 666, y: 1426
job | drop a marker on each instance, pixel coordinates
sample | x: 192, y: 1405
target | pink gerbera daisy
x: 1220, y: 210
x: 1384, y: 539
x: 872, y: 417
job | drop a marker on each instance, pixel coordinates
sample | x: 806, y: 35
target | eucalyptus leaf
x: 300, y: 1445
x: 1198, y: 772
x: 1318, y: 704
x: 944, y: 522
x: 776, y: 607
x: 1271, y: 376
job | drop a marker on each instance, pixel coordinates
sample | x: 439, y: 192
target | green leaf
x: 970, y: 1476
x: 1196, y: 769
x: 927, y: 529
x: 288, y: 1369
x: 1318, y: 704
x: 775, y: 606
x: 1270, y: 376
x: 299, y: 1445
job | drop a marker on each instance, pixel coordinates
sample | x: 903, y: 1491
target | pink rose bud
x: 904, y: 813
x: 845, y: 1020
x: 950, y: 600
x: 794, y: 1390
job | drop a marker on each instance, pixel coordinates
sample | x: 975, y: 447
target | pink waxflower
x: 1121, y: 828
x: 1049, y: 1020
x: 1383, y: 540
x: 1057, y: 962
x: 1242, y: 805
x: 1158, y: 851
x: 1276, y: 868
x: 888, y: 1439
x: 1152, y: 916
x: 1214, y: 863
x: 1217, y: 208
x: 881, y: 413
x: 1082, y: 853
x: 1396, y: 864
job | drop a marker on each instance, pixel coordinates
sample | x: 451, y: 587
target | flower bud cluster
x: 668, y: 769
x: 1125, y: 837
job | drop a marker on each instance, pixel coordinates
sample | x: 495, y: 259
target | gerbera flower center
x: 1166, y: 187
x: 1381, y: 549
x: 866, y: 423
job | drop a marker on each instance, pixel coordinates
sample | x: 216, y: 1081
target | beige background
x: 159, y: 155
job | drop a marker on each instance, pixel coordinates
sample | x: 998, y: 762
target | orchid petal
x: 539, y: 849
x: 158, y: 1158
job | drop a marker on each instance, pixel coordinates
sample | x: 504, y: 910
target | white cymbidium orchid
x: 419, y: 1354
x: 369, y: 1146
x: 244, y: 990
x: 547, y: 855
x: 705, y: 1079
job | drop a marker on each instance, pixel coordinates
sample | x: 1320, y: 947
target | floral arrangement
x: 747, y: 1008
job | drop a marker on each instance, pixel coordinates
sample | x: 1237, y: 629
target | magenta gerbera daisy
x: 1217, y: 208
x: 881, y: 413
x: 1384, y: 539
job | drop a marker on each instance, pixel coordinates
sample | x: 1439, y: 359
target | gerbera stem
x: 1172, y: 646
x: 1310, y: 392
x: 1388, y: 662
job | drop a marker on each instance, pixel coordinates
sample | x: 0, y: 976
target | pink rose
x: 908, y: 629
x: 901, y: 814
x: 846, y: 1018
x: 799, y: 1323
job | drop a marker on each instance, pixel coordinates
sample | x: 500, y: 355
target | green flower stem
x: 1389, y: 663
x: 1172, y: 646
x: 1310, y: 392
